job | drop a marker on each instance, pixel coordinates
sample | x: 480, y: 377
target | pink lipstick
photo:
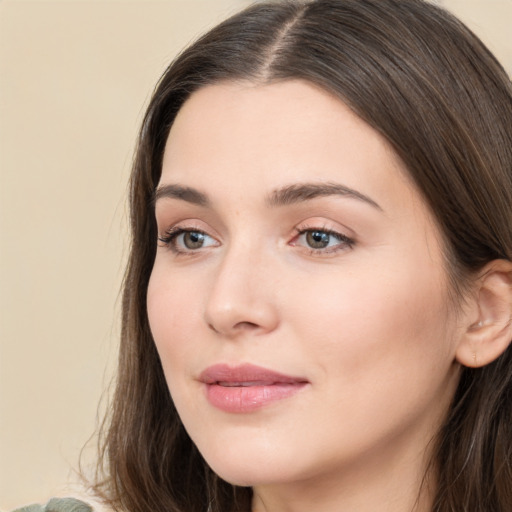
x: 246, y: 388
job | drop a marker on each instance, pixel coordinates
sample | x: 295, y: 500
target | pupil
x: 193, y: 240
x: 318, y: 239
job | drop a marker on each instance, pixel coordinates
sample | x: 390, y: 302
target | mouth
x: 228, y: 384
x: 246, y: 388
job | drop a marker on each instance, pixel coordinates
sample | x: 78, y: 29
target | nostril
x: 210, y: 326
x: 240, y: 326
x: 246, y: 326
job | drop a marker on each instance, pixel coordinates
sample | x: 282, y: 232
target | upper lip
x: 247, y: 374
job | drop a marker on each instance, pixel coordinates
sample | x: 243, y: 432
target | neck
x: 390, y: 482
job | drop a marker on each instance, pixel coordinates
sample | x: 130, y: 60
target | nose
x: 242, y: 297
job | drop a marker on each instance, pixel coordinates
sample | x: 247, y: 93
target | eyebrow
x: 188, y: 194
x: 306, y: 191
x: 286, y: 195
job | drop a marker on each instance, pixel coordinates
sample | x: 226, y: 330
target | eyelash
x: 345, y: 242
x: 170, y: 236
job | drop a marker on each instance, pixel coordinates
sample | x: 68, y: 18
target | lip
x: 246, y: 387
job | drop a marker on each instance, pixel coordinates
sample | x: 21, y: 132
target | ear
x: 489, y: 329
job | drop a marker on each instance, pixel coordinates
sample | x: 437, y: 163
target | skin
x: 368, y: 323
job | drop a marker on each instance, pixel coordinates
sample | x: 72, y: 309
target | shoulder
x: 59, y: 505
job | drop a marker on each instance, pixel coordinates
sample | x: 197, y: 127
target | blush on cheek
x: 400, y: 320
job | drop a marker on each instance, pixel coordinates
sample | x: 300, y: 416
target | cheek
x: 392, y: 325
x: 172, y: 313
x: 382, y: 353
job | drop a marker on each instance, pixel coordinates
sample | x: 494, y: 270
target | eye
x: 318, y: 239
x: 182, y: 240
x: 322, y: 240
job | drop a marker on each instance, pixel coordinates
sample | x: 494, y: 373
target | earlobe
x: 489, y: 335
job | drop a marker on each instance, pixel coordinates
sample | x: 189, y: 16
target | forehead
x: 242, y: 135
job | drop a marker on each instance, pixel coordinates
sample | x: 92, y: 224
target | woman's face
x: 299, y: 298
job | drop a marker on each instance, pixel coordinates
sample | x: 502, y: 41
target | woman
x: 317, y: 308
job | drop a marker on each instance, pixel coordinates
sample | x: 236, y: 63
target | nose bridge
x: 241, y: 295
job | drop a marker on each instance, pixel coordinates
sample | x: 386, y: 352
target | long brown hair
x: 426, y: 83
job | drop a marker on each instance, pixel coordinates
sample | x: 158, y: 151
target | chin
x: 249, y: 465
x: 250, y: 474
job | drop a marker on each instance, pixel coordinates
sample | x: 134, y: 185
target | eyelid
x: 167, y: 225
x: 325, y: 224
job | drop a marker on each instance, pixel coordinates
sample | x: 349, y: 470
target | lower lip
x: 238, y: 399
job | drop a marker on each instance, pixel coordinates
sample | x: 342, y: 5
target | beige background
x: 74, y: 79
